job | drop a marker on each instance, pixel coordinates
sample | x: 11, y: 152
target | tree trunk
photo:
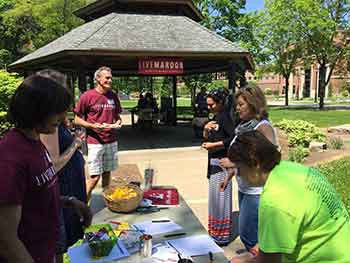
x: 64, y: 13
x: 286, y: 90
x: 193, y: 96
x: 322, y: 85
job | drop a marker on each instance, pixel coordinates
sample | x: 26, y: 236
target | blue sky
x: 252, y: 5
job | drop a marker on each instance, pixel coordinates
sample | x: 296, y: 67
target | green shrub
x: 268, y: 91
x: 338, y: 173
x: 252, y: 83
x: 8, y: 84
x: 301, y: 133
x: 5, y: 58
x: 275, y: 92
x: 216, y: 84
x: 5, y: 125
x: 298, y: 154
x: 344, y: 89
x: 344, y: 93
x: 336, y: 143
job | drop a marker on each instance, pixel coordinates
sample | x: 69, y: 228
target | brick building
x: 304, y: 82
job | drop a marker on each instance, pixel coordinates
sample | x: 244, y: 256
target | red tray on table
x: 162, y: 195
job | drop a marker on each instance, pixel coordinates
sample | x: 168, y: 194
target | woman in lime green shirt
x: 301, y: 217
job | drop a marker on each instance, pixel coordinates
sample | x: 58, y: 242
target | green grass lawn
x: 338, y: 173
x: 181, y: 102
x: 322, y: 119
x: 126, y: 104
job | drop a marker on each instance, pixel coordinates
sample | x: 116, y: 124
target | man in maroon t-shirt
x: 98, y: 110
x: 29, y: 192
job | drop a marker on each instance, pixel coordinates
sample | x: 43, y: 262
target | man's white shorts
x: 102, y: 158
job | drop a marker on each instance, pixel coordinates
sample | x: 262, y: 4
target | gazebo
x: 139, y: 37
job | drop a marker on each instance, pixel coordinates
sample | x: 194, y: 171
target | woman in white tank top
x: 252, y: 109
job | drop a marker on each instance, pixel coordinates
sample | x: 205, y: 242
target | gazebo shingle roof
x: 139, y: 33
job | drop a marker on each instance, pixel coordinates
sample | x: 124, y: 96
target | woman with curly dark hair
x: 217, y: 135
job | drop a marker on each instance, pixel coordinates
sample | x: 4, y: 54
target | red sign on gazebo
x: 161, y: 66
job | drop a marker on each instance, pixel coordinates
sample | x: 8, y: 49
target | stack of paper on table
x: 157, y: 228
x: 195, y: 245
x: 81, y: 254
x: 165, y: 253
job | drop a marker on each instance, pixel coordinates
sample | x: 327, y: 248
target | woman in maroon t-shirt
x: 29, y: 194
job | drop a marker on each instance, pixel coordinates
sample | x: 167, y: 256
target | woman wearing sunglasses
x: 218, y: 135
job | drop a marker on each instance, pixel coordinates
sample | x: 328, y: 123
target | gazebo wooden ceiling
x: 119, y: 33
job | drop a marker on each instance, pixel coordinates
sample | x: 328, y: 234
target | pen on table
x: 132, y: 230
x: 175, y: 235
x: 160, y: 221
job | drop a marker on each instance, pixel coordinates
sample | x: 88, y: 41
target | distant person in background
x: 201, y: 103
x: 301, y: 216
x: 201, y: 113
x: 140, y: 102
x: 69, y: 163
x: 98, y: 110
x: 149, y: 102
x: 217, y: 135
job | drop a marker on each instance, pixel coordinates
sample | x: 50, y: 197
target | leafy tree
x: 194, y: 82
x: 250, y: 38
x: 5, y: 58
x: 126, y: 84
x: 283, y: 40
x: 29, y: 24
x: 274, y: 40
x: 6, y: 4
x: 8, y: 84
x: 222, y: 16
x: 18, y: 27
x: 165, y: 87
x: 56, y: 18
x: 323, y: 24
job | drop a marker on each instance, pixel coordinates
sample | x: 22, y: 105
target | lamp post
x: 317, y: 84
